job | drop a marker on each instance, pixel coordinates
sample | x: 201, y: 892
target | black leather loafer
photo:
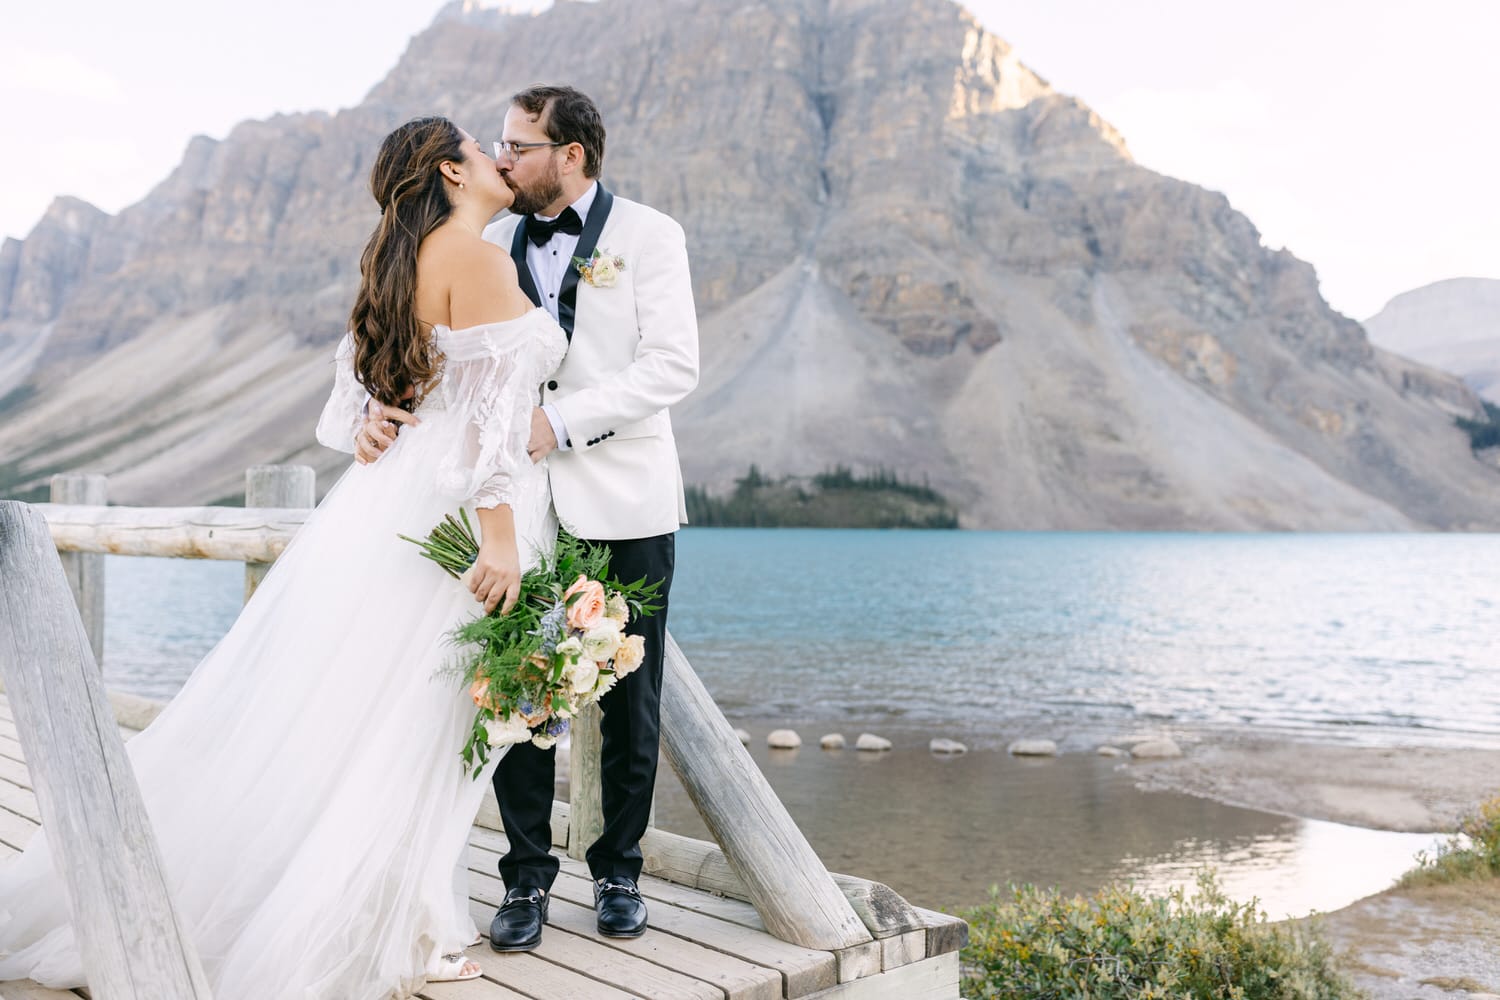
x: 518, y: 923
x: 619, y: 910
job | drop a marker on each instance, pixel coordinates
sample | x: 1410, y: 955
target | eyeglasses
x: 513, y: 150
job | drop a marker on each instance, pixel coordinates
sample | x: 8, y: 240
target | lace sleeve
x: 344, y: 411
x: 496, y: 393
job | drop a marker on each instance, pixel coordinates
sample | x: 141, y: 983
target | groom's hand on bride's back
x: 379, y: 431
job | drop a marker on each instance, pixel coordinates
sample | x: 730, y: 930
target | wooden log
x: 237, y: 534
x: 278, y: 486
x: 85, y: 570
x: 585, y: 803
x: 129, y: 936
x: 786, y: 882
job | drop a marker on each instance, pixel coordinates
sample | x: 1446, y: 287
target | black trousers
x: 631, y: 731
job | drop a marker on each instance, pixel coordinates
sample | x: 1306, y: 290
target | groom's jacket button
x: 552, y: 385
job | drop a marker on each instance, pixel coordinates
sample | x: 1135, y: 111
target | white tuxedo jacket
x: 632, y: 353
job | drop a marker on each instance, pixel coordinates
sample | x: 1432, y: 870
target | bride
x: 305, y: 786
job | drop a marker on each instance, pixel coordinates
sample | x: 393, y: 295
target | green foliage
x: 833, y: 499
x: 1483, y: 433
x: 1122, y: 945
x: 511, y: 659
x: 1471, y: 854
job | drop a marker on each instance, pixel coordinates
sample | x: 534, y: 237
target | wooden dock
x: 700, y: 945
x: 752, y: 917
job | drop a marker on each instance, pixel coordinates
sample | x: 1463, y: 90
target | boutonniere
x: 601, y: 270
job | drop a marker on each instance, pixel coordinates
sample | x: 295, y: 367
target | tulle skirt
x: 305, y: 786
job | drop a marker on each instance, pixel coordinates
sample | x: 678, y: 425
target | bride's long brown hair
x: 392, y: 356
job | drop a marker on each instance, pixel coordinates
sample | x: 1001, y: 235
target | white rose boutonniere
x: 602, y: 269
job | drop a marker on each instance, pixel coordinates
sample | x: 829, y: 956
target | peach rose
x: 588, y: 609
x: 630, y: 654
x: 480, y: 692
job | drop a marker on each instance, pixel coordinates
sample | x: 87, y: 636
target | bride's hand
x: 495, y: 577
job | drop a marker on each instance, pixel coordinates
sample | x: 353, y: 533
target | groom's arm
x: 665, y: 368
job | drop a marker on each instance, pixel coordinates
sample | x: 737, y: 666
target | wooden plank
x: 20, y: 800
x: 25, y: 989
x: 532, y: 975
x: 929, y: 979
x: 591, y: 954
x: 279, y: 486
x: 7, y: 851
x: 803, y: 970
x: 471, y: 989
x: 12, y: 748
x: 734, y: 977
x: 238, y: 534
x: 945, y: 933
x: 14, y: 772
x: 85, y: 571
x: 16, y: 830
x: 701, y: 865
x: 858, y: 962
x: 903, y: 949
x: 132, y: 943
x: 786, y: 881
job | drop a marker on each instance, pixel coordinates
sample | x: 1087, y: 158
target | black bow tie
x: 539, y: 231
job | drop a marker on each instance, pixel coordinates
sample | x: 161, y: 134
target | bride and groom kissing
x: 304, y: 786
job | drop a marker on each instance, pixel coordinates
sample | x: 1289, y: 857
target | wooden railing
x: 761, y: 856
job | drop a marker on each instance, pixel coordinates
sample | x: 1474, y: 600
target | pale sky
x: 1360, y: 134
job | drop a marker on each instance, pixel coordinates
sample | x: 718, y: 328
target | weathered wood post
x: 585, y: 804
x: 128, y: 933
x: 85, y: 571
x: 787, y: 883
x: 276, y: 486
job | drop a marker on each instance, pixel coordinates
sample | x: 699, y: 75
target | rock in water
x: 1156, y: 750
x: 1032, y: 748
x: 742, y: 736
x: 869, y: 741
x: 783, y: 739
x: 833, y: 741
x: 1111, y: 752
x: 946, y: 746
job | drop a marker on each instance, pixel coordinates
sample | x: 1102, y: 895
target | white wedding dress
x: 305, y: 786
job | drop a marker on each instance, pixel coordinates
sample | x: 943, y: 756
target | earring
x: 460, y: 185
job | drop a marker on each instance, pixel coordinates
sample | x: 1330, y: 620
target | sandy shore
x: 1402, y: 944
x: 1417, y: 789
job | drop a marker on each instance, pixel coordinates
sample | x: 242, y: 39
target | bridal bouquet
x: 560, y: 648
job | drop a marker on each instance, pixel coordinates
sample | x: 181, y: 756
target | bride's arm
x: 343, y: 414
x: 484, y: 291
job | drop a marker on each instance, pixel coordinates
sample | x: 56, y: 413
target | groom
x: 603, y: 425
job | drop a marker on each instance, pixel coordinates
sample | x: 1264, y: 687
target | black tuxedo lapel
x: 567, y: 298
x: 523, y: 269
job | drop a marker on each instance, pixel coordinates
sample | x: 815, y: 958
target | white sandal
x: 450, y: 968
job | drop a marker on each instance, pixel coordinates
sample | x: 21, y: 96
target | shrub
x: 1471, y: 854
x: 1483, y: 433
x: 1119, y: 944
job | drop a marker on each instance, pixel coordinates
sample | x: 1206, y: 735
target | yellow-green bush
x: 1472, y: 853
x: 1122, y: 945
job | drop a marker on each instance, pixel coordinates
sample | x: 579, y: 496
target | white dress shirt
x: 549, y: 264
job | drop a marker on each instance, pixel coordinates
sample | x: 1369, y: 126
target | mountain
x: 909, y: 253
x: 1452, y: 325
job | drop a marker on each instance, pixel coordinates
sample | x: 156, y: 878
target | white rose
x: 504, y: 732
x: 571, y: 646
x: 582, y: 676
x: 543, y: 742
x: 616, y: 610
x: 600, y: 643
x: 607, y: 682
x: 604, y: 272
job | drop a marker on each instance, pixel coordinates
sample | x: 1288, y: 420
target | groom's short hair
x: 567, y: 115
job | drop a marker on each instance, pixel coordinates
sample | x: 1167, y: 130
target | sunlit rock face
x: 908, y: 251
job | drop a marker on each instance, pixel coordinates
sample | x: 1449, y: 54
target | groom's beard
x: 532, y: 200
